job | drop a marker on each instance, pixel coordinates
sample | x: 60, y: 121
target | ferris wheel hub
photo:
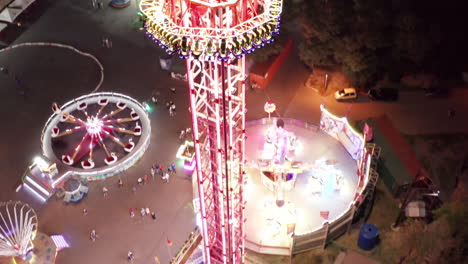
x: 94, y: 125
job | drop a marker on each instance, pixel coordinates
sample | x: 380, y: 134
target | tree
x: 316, y: 53
x: 373, y: 39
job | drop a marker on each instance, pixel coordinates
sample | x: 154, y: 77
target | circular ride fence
x: 363, y: 154
x: 106, y: 171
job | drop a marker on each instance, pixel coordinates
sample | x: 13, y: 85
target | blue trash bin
x: 368, y: 237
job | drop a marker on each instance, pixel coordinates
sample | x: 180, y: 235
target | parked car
x: 346, y: 94
x: 383, y: 94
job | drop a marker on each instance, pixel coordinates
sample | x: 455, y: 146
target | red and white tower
x: 213, y: 36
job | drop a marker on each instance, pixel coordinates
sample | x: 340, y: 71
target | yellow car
x: 346, y: 94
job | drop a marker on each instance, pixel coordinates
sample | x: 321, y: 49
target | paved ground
x: 131, y: 67
x: 52, y: 74
x: 413, y: 114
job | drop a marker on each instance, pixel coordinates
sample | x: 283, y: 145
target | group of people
x: 106, y: 43
x: 97, y: 4
x: 171, y: 107
x: 158, y: 169
x: 184, y: 133
x: 144, y: 180
x: 144, y: 212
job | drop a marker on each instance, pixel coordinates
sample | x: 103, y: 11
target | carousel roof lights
x: 178, y: 34
x: 18, y: 226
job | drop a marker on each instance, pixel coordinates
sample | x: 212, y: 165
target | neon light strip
x: 190, y: 167
x: 181, y: 150
x: 60, y: 242
x: 44, y: 191
x: 35, y: 193
x: 198, y: 161
x: 60, y: 178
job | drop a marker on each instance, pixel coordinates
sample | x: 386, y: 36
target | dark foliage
x: 373, y: 39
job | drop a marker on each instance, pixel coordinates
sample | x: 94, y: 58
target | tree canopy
x: 372, y: 39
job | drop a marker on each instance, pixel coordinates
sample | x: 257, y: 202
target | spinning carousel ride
x: 97, y: 135
x: 20, y: 240
x: 18, y: 227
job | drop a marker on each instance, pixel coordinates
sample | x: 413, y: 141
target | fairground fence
x: 331, y: 230
x: 334, y: 228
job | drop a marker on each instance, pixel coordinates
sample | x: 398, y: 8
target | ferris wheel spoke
x: 122, y: 130
x: 69, y: 118
x: 100, y: 110
x: 70, y: 131
x: 78, y: 147
x: 115, y: 139
x: 91, y: 147
x: 85, y: 113
x: 111, y: 114
x: 103, y: 145
x: 119, y: 120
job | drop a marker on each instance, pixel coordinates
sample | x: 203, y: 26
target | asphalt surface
x: 131, y: 66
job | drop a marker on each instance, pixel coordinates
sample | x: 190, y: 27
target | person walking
x: 120, y: 183
x: 152, y: 172
x: 173, y: 168
x: 93, y: 235
x: 156, y: 169
x: 105, y: 191
x: 146, y: 179
x: 4, y: 70
x: 154, y: 99
x: 143, y: 212
x: 130, y: 256
x: 182, y: 135
x: 161, y: 170
x: 85, y: 211
x: 147, y: 210
x: 166, y: 178
x: 132, y: 212
x: 153, y: 215
x: 140, y: 181
x: 172, y: 110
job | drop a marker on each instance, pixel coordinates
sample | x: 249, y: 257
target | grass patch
x: 383, y: 214
x: 442, y: 156
x: 318, y: 256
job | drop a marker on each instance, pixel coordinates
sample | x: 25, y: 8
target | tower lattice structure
x: 213, y: 36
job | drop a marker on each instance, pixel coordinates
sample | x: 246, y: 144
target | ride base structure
x: 108, y: 132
